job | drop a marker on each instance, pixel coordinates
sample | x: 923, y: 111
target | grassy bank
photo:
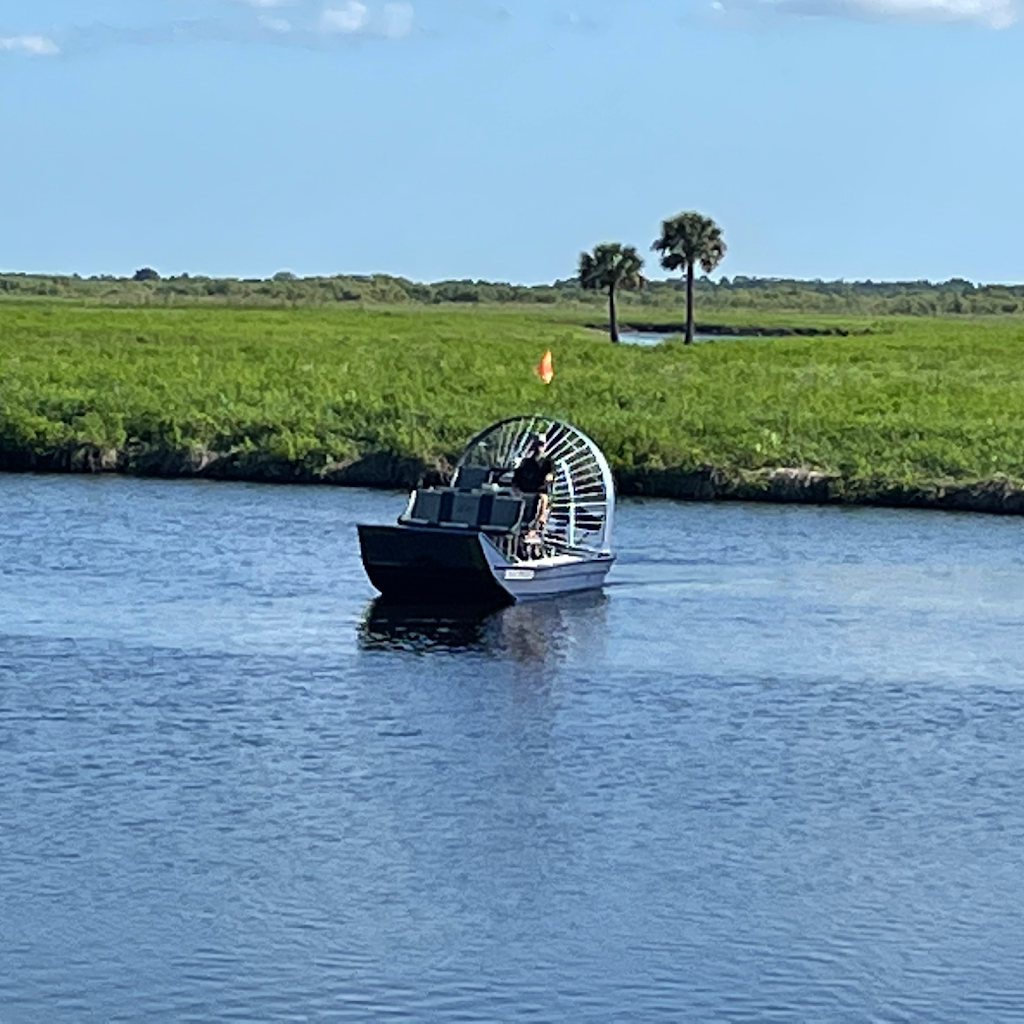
x: 372, y: 395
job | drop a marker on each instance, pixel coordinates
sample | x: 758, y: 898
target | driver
x: 534, y: 476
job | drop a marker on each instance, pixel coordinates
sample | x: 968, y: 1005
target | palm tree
x: 686, y: 239
x: 608, y: 267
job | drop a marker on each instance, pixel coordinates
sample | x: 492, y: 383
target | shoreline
x: 732, y: 331
x: 388, y: 471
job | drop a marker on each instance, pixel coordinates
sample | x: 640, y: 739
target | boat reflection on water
x: 533, y: 631
x: 421, y: 628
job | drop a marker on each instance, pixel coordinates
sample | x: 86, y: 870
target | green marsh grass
x: 916, y: 401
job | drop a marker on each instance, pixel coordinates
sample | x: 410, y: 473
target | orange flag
x: 544, y: 369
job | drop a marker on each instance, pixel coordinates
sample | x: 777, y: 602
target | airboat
x: 477, y: 540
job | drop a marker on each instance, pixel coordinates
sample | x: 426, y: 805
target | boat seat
x: 471, y: 478
x: 426, y: 508
x: 465, y: 509
x: 480, y: 510
x: 504, y: 515
x: 443, y: 506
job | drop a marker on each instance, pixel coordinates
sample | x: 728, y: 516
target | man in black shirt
x: 534, y: 475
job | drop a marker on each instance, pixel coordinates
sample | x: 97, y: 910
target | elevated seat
x: 471, y: 478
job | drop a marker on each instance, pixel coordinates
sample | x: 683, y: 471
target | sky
x: 496, y: 139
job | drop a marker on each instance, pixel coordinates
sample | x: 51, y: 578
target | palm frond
x: 690, y: 238
x: 611, y: 265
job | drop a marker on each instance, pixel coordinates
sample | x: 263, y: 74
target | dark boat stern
x: 433, y: 565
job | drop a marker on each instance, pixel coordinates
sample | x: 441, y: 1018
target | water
x: 650, y: 337
x: 773, y: 775
x: 657, y: 337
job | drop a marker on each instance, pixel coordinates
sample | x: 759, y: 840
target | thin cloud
x: 392, y: 21
x: 573, y: 20
x: 34, y: 46
x: 398, y: 20
x: 275, y: 24
x: 347, y: 20
x: 310, y: 25
x: 995, y: 14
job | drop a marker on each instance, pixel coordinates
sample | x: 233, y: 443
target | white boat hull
x: 546, y: 577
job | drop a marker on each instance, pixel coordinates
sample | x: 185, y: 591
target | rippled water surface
x: 774, y: 774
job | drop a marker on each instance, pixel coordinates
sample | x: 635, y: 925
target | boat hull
x: 439, y: 566
x: 429, y: 566
x: 527, y: 581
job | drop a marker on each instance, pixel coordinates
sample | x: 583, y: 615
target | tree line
x: 657, y: 299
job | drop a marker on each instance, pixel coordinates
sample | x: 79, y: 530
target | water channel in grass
x: 657, y: 337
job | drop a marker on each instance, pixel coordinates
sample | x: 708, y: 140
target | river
x: 773, y: 774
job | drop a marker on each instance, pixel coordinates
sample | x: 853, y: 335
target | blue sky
x: 474, y: 138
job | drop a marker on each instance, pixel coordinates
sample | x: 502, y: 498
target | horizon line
x: 186, y: 275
